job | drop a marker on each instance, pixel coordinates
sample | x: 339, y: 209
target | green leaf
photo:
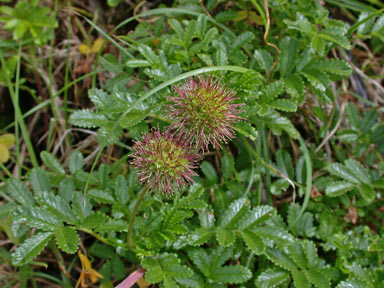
x: 256, y: 216
x: 264, y: 59
x: 318, y: 79
x: 341, y: 171
x: 200, y: 236
x: 81, y: 205
x: 113, y: 225
x: 318, y: 45
x: 87, y: 119
x: 177, y: 27
x: 352, y: 115
x: 66, y: 188
x: 280, y: 259
x: 358, y: 272
x: 242, y: 39
x: 253, y: 242
x: 284, y: 162
x: 358, y: 170
x: 38, y: 218
x: 201, y: 259
x: 165, y: 268
x: 121, y: 190
x: 233, y: 214
x: 300, y: 279
x: 369, y: 120
x: 134, y: 63
x: 335, y: 36
x: 227, y: 164
x: 294, y: 85
x: 57, y: 205
x: 277, y: 123
x: 207, y: 218
x: 271, y: 91
x: 317, y: 278
x: 367, y: 192
x: 209, y: 172
x: 231, y: 274
x: 39, y: 180
x: 189, y: 33
x: 352, y: 283
x: 19, y: 192
x: 271, y: 278
x: 132, y: 118
x: 148, y: 54
x: 275, y: 234
x: 109, y: 134
x: 67, y: 239
x: 300, y: 224
x: 75, y: 161
x: 296, y: 253
x: 30, y: 248
x: 95, y: 220
x: 247, y: 130
x: 288, y: 52
x: 101, y: 196
x: 118, y: 267
x: 283, y: 105
x: 334, y: 66
x: 52, y: 163
x: 100, y: 98
x: 225, y: 237
x: 338, y: 188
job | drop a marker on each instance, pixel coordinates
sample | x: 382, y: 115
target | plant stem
x: 9, y: 174
x: 133, y: 216
x: 97, y: 236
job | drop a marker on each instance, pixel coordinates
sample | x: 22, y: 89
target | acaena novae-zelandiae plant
x: 165, y: 164
x: 204, y: 111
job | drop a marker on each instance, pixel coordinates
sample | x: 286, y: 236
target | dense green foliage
x: 295, y: 200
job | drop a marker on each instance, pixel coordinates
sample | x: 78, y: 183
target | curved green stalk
x: 261, y: 12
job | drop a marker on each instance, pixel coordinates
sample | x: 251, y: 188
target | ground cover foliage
x: 192, y: 144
